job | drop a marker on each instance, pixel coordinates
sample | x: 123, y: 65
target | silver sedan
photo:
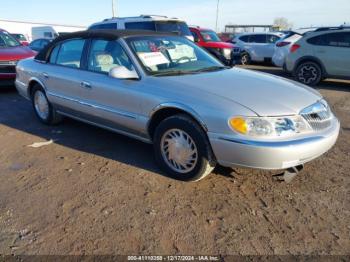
x: 163, y: 89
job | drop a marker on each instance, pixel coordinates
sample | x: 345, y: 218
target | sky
x: 302, y: 13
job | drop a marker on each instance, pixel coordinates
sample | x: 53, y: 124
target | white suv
x: 146, y: 22
x: 257, y: 47
x: 324, y: 53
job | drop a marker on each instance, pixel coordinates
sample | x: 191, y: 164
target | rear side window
x: 141, y: 26
x: 70, y: 53
x: 105, y: 26
x: 272, y: 39
x: 332, y: 39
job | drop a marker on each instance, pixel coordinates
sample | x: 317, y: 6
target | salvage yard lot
x: 96, y: 192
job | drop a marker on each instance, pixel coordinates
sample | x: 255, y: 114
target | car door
x: 257, y: 46
x: 333, y: 49
x: 108, y: 101
x: 61, y: 76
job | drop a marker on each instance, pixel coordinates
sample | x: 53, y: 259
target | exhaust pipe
x: 289, y: 174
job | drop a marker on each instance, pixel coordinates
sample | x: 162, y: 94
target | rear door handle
x: 45, y: 75
x: 85, y: 85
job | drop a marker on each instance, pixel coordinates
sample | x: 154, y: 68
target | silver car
x: 163, y: 89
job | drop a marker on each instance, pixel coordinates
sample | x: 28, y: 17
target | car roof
x: 140, y: 18
x: 109, y: 34
x: 260, y: 33
x: 322, y: 32
x: 200, y: 28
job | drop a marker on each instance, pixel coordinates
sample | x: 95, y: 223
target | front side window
x: 258, y: 39
x: 69, y: 53
x: 244, y: 38
x: 7, y: 40
x: 105, y: 55
x: 210, y: 36
x: 171, y: 55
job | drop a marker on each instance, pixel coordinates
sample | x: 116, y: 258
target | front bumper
x: 233, y: 152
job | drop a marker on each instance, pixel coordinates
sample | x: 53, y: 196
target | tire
x: 197, y: 157
x: 308, y: 73
x: 245, y: 59
x: 43, y: 108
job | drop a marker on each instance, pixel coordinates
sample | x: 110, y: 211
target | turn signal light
x: 239, y: 124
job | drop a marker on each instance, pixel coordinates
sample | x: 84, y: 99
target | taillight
x: 294, y: 48
x: 282, y: 44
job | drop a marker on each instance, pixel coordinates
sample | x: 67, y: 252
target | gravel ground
x: 95, y: 192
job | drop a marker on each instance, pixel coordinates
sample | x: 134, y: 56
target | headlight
x: 227, y: 53
x: 269, y: 126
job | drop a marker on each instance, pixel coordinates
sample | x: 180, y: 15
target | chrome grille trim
x: 319, y: 116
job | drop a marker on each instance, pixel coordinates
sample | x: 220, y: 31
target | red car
x: 21, y: 38
x: 11, y: 51
x: 209, y: 40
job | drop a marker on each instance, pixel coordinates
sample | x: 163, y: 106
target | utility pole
x: 217, y: 17
x: 113, y: 9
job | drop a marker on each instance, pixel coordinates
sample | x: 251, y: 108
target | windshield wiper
x: 173, y: 73
x: 211, y: 69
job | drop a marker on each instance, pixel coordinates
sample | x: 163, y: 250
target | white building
x: 26, y: 28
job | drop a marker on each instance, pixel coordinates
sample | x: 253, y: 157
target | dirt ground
x: 95, y: 192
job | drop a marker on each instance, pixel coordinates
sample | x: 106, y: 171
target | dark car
x: 39, y: 44
x: 11, y: 51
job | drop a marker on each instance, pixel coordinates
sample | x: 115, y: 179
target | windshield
x: 7, y: 40
x: 210, y: 36
x: 171, y: 55
x: 19, y: 37
x: 177, y: 27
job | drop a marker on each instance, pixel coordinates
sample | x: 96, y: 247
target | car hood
x: 265, y: 94
x: 15, y: 53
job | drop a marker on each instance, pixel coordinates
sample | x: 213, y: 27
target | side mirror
x: 121, y: 72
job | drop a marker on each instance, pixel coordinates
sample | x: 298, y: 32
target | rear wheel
x: 308, y: 73
x: 42, y: 107
x: 182, y: 149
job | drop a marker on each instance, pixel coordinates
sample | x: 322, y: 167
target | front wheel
x: 182, y: 149
x: 245, y: 59
x: 308, y: 73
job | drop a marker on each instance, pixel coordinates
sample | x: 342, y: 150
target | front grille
x: 236, y: 50
x: 7, y: 69
x: 320, y: 120
x: 8, y: 63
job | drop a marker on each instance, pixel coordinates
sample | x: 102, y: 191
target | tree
x: 282, y: 23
